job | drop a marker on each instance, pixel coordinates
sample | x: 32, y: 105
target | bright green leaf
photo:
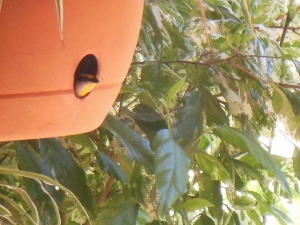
x: 176, y: 87
x: 83, y: 139
x: 212, y: 166
x: 196, y: 204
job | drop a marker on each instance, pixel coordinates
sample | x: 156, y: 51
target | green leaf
x: 148, y: 120
x: 243, y: 169
x: 243, y: 202
x: 66, y: 171
x: 27, y: 199
x: 171, y: 169
x: 196, y: 204
x: 212, y: 166
x: 282, y: 106
x: 40, y: 195
x: 296, y: 162
x: 138, y: 192
x: 126, y: 88
x: 294, y: 100
x: 255, y: 218
x: 204, y: 220
x: 281, y: 219
x: 119, y: 211
x: 111, y: 167
x: 83, y: 139
x: 18, y: 209
x: 213, y: 110
x: 189, y: 117
x: 175, y: 88
x: 246, y: 143
x: 41, y: 178
x: 157, y: 222
x: 137, y: 146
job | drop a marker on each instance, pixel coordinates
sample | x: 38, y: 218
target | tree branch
x: 105, y: 191
x: 228, y: 60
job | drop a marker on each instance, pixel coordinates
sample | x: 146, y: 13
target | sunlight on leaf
x: 283, y: 220
x: 196, y: 204
x: 246, y: 143
x: 212, y: 166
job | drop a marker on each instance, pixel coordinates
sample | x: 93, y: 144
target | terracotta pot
x: 37, y: 69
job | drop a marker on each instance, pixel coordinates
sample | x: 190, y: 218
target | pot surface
x: 37, y: 67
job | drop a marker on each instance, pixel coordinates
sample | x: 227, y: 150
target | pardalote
x: 84, y: 84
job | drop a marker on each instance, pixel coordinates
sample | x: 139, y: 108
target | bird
x: 84, y: 84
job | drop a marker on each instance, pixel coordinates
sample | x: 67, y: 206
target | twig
x: 248, y: 15
x: 261, y: 79
x: 229, y: 60
x: 286, y: 25
x: 106, y: 190
x: 280, y: 27
x: 209, y: 43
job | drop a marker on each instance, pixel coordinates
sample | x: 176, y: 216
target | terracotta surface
x: 37, y: 69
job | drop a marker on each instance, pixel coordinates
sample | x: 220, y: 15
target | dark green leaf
x: 204, y: 220
x: 137, y: 146
x: 119, y: 211
x: 246, y: 143
x: 29, y: 161
x: 137, y: 183
x: 189, y: 117
x: 157, y: 222
x: 148, y: 120
x: 146, y: 114
x: 213, y: 110
x: 171, y: 169
x: 66, y: 171
x: 111, y: 167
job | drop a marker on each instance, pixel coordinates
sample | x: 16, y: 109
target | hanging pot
x: 39, y: 62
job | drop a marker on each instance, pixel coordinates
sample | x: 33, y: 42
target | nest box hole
x: 85, y: 77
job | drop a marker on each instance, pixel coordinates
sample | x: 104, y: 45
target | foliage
x: 207, y: 81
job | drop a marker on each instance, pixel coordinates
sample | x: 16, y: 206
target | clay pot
x: 37, y: 68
